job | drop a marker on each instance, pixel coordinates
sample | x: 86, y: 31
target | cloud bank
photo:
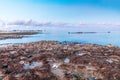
x: 35, y: 23
x: 30, y: 24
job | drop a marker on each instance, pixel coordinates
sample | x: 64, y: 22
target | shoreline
x: 54, y: 60
x: 61, y: 42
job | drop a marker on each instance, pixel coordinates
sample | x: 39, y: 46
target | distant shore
x: 53, y: 60
x: 85, y: 32
x: 17, y: 33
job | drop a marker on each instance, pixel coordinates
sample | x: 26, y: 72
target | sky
x: 68, y: 11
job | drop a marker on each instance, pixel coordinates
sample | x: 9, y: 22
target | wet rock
x: 29, y: 55
x: 22, y: 57
x: 1, y: 76
x: 5, y: 65
x: 22, y: 62
x: 109, y: 45
x: 28, y: 75
x: 18, y: 75
x: 81, y: 54
x: 56, y: 65
x: 27, y: 50
x: 13, y: 52
x: 90, y: 68
x: 58, y: 72
x: 7, y: 71
x: 109, y: 60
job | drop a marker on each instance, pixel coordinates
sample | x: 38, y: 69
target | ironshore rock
x: 52, y: 60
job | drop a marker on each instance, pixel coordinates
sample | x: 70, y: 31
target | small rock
x: 6, y: 71
x: 56, y: 65
x: 29, y: 55
x: 28, y: 74
x: 6, y: 77
x: 109, y: 60
x: 18, y: 75
x: 90, y: 68
x: 1, y: 76
x: 5, y: 65
x: 21, y: 62
x: 109, y: 45
x: 81, y: 54
x: 22, y: 57
x: 13, y: 52
x: 27, y: 50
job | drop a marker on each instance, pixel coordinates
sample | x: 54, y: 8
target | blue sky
x: 72, y: 11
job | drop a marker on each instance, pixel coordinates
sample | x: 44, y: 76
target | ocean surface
x: 101, y: 37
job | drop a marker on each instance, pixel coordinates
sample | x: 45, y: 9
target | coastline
x: 17, y: 34
x: 58, y: 61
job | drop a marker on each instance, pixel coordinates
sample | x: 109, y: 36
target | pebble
x: 22, y: 62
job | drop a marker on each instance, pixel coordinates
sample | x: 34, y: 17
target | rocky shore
x: 52, y: 60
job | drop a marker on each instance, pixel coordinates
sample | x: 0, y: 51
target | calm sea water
x: 61, y: 34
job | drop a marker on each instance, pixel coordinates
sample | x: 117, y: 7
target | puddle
x: 33, y: 65
x: 67, y: 60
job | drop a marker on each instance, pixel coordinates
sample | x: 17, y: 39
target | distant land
x: 17, y: 33
x: 85, y: 32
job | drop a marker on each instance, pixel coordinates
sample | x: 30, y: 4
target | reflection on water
x: 61, y: 34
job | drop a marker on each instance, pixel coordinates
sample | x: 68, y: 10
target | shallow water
x: 33, y: 65
x: 61, y: 34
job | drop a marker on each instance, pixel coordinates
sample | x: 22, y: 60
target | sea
x: 102, y: 35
